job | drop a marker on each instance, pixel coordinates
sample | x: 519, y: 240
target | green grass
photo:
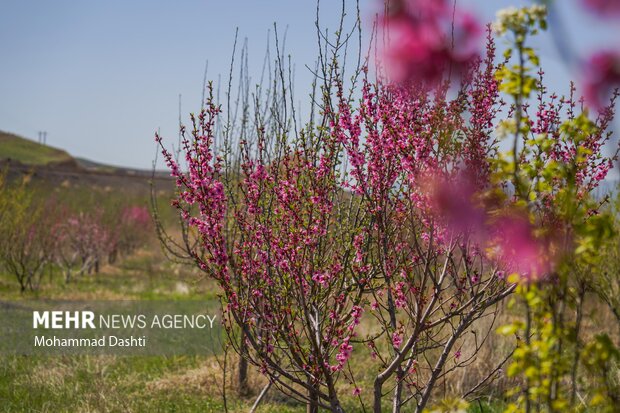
x: 96, y: 384
x: 107, y: 383
x: 29, y: 152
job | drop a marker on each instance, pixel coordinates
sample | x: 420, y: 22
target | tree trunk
x: 313, y: 402
x: 377, y: 396
x: 398, y: 391
x: 335, y: 405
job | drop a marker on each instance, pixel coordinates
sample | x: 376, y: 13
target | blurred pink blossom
x: 518, y: 248
x: 506, y: 234
x: 426, y: 38
x: 454, y: 202
x: 601, y: 75
x: 136, y: 215
x: 603, y: 8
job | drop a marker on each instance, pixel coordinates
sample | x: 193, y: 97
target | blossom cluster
x: 426, y: 39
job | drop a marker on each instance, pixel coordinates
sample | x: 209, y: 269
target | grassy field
x: 118, y: 383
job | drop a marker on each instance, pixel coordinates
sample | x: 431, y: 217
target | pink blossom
x: 358, y: 240
x: 509, y: 235
x: 343, y: 355
x: 453, y: 200
x: 603, y: 8
x: 601, y: 75
x: 397, y: 340
x: 356, y: 314
x: 321, y: 279
x: 400, y: 299
x: 519, y: 250
x: 421, y: 46
x: 136, y: 215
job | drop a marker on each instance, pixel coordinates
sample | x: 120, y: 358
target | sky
x: 101, y: 77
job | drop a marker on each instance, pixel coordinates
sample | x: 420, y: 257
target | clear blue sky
x: 102, y: 76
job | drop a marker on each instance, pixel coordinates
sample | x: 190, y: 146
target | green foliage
x: 536, y: 358
x: 517, y: 79
x: 555, y: 359
x: 600, y: 358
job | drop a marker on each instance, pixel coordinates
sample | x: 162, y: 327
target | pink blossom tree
x: 81, y: 242
x: 136, y: 226
x: 418, y: 161
x: 280, y: 242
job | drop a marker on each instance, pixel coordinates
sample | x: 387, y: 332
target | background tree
x: 26, y: 243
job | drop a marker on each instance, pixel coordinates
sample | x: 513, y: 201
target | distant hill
x: 96, y: 166
x: 57, y: 167
x: 28, y: 152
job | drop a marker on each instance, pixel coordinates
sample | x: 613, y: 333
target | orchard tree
x: 81, y: 241
x: 26, y: 244
x: 289, y: 280
x: 136, y: 227
x: 417, y: 159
